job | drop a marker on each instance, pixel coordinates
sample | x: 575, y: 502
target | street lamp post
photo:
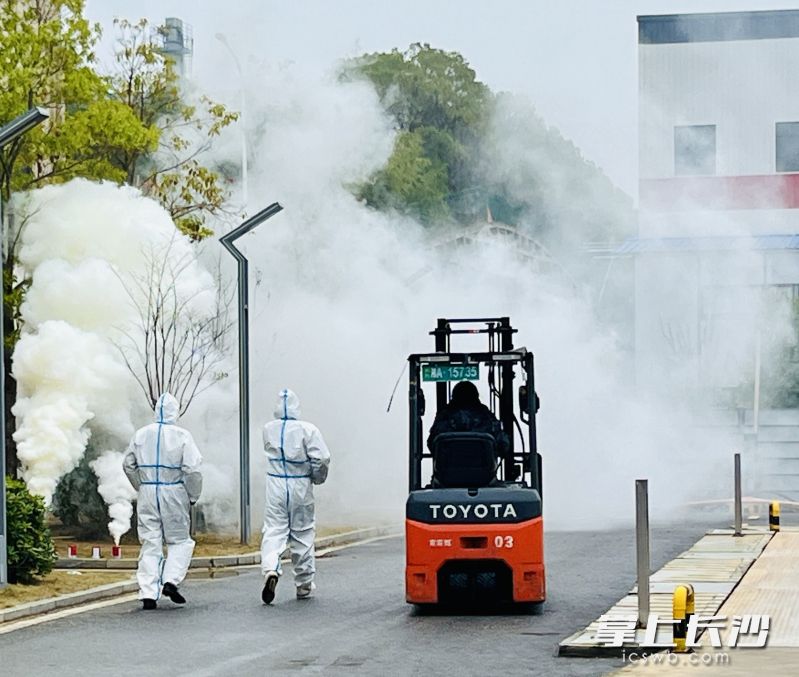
x: 8, y: 134
x: 243, y: 119
x: 244, y: 360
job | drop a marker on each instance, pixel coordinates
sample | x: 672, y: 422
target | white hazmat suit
x: 297, y: 458
x: 163, y: 464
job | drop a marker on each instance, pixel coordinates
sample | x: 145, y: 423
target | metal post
x: 415, y: 464
x: 8, y: 133
x: 244, y: 361
x: 642, y: 548
x: 756, y: 403
x: 738, y: 510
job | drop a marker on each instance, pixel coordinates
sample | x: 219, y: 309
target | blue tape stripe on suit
x: 283, y: 456
x: 288, y: 460
x: 158, y: 494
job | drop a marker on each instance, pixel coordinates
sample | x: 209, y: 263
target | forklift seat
x: 464, y: 460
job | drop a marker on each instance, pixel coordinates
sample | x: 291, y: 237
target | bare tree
x: 174, y: 346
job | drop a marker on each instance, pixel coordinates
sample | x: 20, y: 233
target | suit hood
x: 167, y: 409
x: 287, y: 405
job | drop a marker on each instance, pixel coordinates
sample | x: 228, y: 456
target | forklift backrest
x: 464, y: 460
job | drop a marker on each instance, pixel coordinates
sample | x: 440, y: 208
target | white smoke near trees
x: 115, y: 490
x: 343, y: 294
x: 87, y: 247
x: 67, y: 377
x: 569, y: 201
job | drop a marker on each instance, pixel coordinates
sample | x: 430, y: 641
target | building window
x: 694, y: 150
x: 787, y: 146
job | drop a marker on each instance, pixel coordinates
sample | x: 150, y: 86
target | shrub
x: 30, y: 548
x: 77, y: 503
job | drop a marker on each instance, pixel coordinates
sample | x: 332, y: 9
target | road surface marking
x: 64, y: 613
x: 5, y: 628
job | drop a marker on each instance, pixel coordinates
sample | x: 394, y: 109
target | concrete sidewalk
x: 714, y: 566
x: 771, y: 588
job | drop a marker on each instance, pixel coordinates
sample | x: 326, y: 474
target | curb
x: 348, y: 537
x: 63, y: 601
x: 221, y: 561
x: 44, y: 606
x: 714, y: 566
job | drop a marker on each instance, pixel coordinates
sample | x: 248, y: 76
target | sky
x: 576, y: 60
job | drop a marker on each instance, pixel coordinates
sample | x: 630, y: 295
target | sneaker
x: 148, y: 604
x: 171, y: 590
x: 270, y: 583
x: 304, y: 591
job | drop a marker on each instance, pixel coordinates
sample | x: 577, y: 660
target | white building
x: 718, y: 193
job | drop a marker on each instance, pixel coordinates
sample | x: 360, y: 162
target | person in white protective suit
x: 297, y: 458
x: 163, y: 465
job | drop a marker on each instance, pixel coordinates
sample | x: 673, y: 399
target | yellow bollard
x: 774, y: 516
x: 682, y: 610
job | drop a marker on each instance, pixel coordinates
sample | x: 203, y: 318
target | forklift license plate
x: 450, y: 372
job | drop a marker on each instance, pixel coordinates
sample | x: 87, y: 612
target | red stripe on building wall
x: 688, y: 193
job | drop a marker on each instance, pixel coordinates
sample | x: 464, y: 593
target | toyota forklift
x: 474, y: 525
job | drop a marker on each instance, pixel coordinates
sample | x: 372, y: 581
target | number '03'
x: 503, y: 541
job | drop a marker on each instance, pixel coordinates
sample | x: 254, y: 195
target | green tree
x: 461, y: 149
x: 426, y: 87
x: 47, y: 60
x: 30, y: 547
x: 134, y: 126
x: 411, y: 181
x: 440, y: 108
x: 77, y: 503
x: 146, y: 83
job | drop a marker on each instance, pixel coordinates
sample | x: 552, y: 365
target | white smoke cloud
x: 67, y: 377
x: 115, y: 490
x: 90, y: 249
x: 219, y: 500
x: 343, y: 294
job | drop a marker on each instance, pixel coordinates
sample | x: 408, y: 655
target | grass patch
x: 58, y: 583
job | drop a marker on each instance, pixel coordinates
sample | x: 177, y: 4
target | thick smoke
x: 88, y: 247
x: 115, y: 490
x: 67, y: 378
x: 342, y: 294
x: 571, y: 200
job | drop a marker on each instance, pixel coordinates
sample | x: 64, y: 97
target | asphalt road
x: 357, y: 624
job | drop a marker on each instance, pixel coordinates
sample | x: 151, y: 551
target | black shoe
x: 171, y: 591
x: 148, y: 604
x: 270, y: 583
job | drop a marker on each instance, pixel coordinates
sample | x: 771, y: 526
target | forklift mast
x: 498, y: 331
x: 501, y: 390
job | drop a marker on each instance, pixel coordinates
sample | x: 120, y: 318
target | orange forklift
x: 474, y: 525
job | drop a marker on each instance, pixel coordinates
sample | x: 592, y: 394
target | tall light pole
x: 8, y: 134
x: 243, y: 117
x: 244, y: 360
